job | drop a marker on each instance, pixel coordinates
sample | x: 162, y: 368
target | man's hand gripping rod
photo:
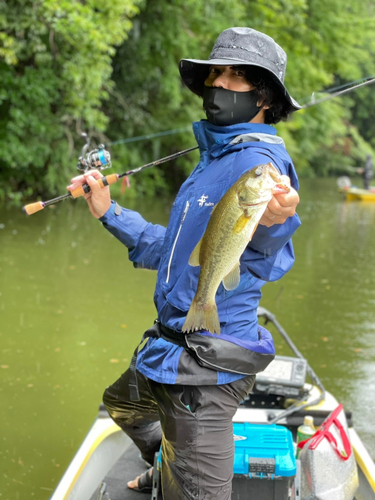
x: 103, y: 182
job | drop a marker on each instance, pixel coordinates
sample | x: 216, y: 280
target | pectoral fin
x: 194, y: 257
x: 232, y: 280
x: 241, y: 223
x: 252, y: 234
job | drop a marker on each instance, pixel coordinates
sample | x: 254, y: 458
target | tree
x: 111, y: 70
x: 55, y: 70
x: 326, y: 42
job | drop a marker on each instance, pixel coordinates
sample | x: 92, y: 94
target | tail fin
x: 202, y: 317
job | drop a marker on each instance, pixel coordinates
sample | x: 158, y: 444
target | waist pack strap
x: 177, y: 338
x: 210, y: 352
x: 133, y: 381
x: 156, y: 331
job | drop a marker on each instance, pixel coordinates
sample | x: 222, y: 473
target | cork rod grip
x: 80, y: 191
x: 103, y: 182
x: 33, y: 207
x: 108, y: 180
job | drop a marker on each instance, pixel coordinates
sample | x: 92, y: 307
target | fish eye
x: 259, y: 171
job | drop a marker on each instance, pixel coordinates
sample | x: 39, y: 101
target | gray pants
x: 194, y: 424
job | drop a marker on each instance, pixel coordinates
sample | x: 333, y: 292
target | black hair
x: 270, y: 94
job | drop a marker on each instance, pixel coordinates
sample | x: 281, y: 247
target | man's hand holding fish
x: 281, y: 206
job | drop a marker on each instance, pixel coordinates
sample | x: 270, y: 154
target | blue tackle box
x: 264, y: 462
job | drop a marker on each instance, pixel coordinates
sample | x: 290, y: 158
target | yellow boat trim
x: 96, y: 443
x: 358, y: 195
x: 362, y: 464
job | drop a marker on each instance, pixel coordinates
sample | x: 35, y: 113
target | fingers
x: 285, y: 179
x: 282, y: 205
x: 283, y: 186
x: 98, y: 199
x: 93, y: 173
x: 272, y: 217
x: 93, y: 183
x: 82, y: 179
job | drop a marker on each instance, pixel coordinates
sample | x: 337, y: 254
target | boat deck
x: 108, y: 457
x: 130, y: 464
x: 128, y: 467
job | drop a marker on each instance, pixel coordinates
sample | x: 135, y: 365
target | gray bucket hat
x: 240, y: 46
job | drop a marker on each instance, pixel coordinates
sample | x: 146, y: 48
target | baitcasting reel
x: 97, y: 159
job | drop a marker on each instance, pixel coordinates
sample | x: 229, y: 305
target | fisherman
x: 185, y: 403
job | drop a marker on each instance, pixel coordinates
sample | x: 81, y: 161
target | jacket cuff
x: 110, y: 211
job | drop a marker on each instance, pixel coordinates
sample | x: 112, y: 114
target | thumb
x: 285, y: 180
x: 283, y: 186
x: 93, y: 183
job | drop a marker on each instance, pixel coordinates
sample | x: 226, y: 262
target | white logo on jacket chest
x: 202, y: 201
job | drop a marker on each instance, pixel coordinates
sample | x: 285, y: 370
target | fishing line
x: 150, y: 136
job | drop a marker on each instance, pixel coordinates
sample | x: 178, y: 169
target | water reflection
x: 72, y: 310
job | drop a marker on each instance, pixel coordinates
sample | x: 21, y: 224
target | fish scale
x: 230, y: 228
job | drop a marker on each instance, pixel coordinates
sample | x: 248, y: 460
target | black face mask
x: 227, y: 107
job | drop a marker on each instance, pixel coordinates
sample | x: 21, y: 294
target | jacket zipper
x: 176, y: 239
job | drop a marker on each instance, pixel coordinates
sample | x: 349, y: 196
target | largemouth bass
x: 230, y: 228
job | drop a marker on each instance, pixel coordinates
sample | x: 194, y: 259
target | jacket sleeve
x: 270, y: 253
x: 144, y: 240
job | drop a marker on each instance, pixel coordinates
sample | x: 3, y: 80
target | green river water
x: 72, y: 309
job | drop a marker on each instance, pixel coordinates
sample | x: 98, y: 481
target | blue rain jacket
x: 225, y: 154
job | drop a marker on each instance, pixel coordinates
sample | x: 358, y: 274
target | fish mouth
x: 261, y: 202
x: 252, y: 204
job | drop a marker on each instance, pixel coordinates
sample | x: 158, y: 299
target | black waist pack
x: 209, y: 351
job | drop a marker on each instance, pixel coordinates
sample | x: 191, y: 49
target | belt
x: 156, y: 331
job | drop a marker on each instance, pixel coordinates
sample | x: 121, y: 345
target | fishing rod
x: 336, y: 94
x: 98, y: 159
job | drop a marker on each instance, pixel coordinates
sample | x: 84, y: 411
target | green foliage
x: 111, y: 69
x: 55, y: 65
x: 149, y: 95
